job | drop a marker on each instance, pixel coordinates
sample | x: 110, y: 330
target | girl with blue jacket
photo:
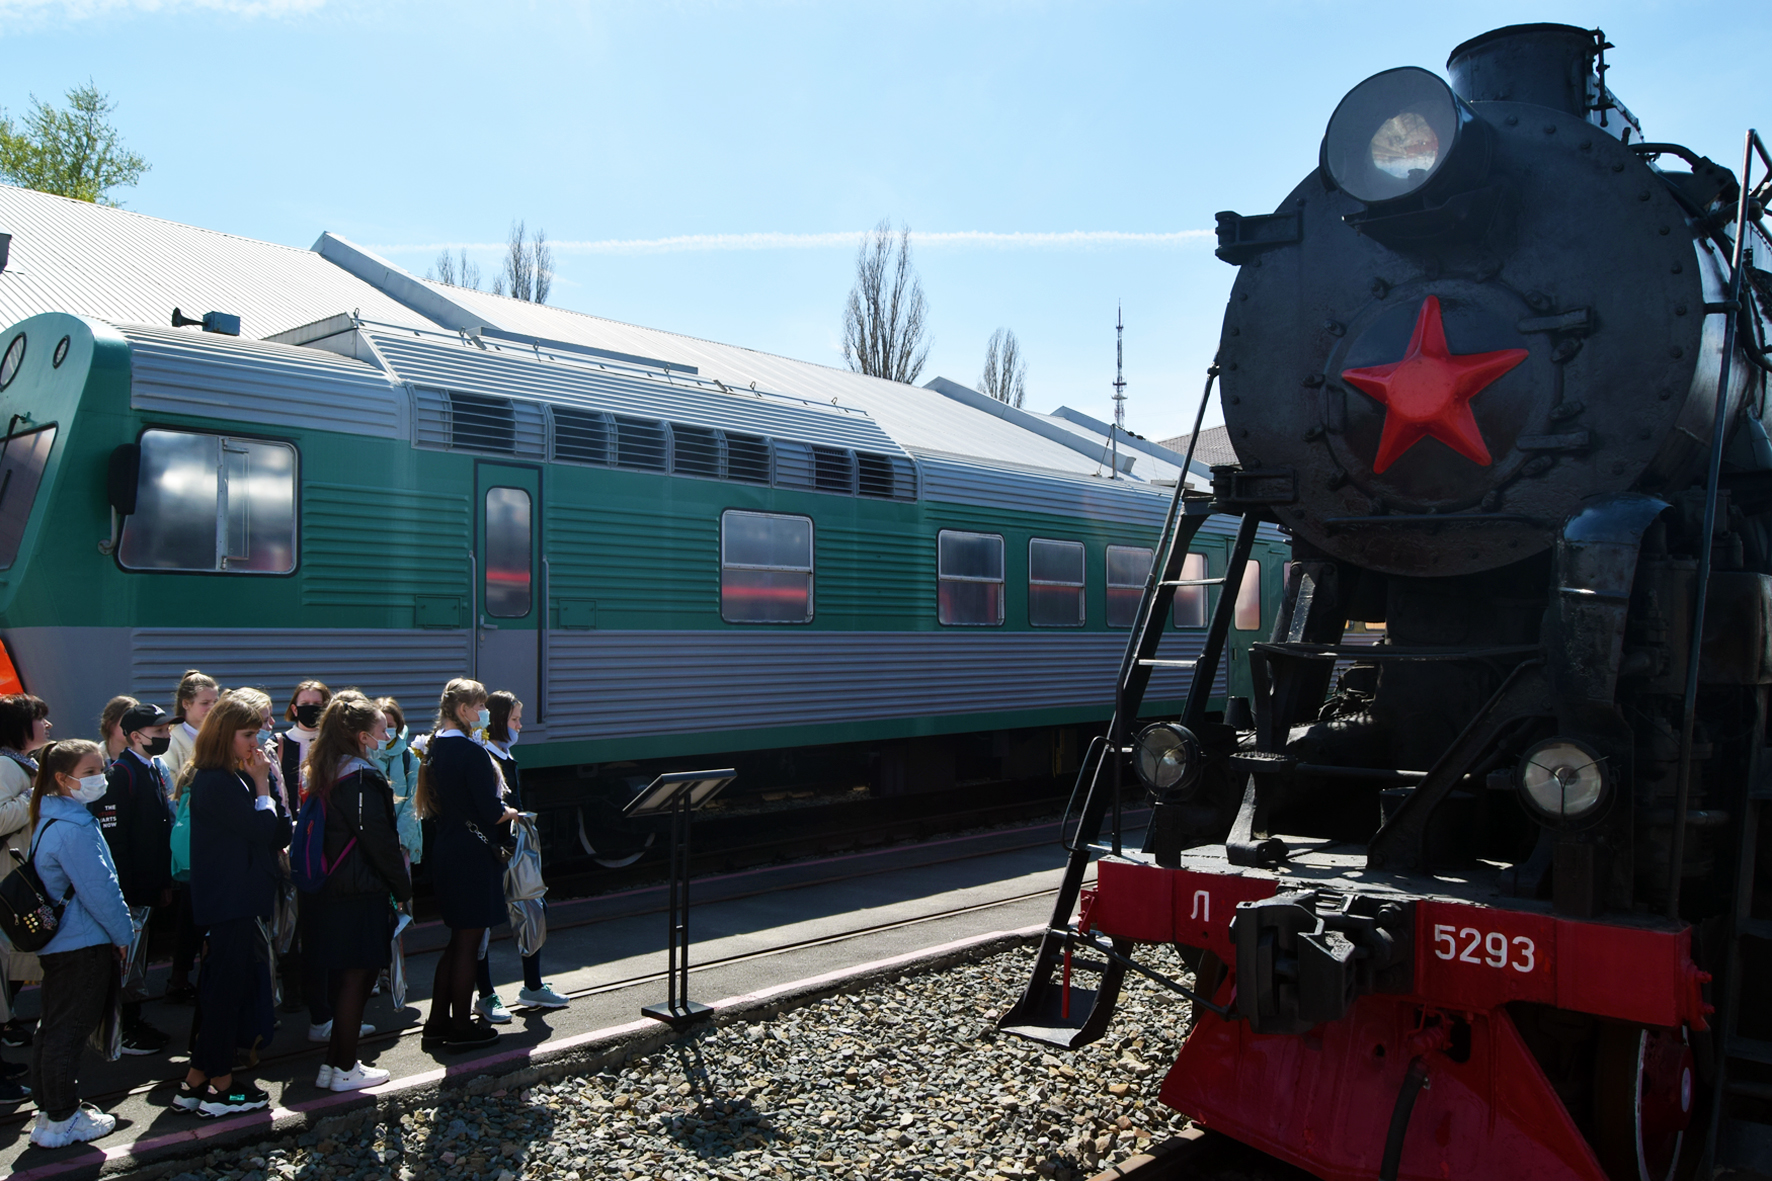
x: 81, y: 963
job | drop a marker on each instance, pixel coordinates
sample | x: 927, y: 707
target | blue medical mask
x: 485, y: 718
x: 511, y: 733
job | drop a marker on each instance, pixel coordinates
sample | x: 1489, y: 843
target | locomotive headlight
x: 1562, y: 780
x: 1168, y: 758
x: 1401, y: 133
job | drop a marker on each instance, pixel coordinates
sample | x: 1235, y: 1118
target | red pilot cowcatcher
x: 1428, y: 392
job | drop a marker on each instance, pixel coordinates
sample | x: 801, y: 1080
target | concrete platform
x: 753, y: 932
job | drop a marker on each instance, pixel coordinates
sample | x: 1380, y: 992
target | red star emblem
x: 1428, y: 392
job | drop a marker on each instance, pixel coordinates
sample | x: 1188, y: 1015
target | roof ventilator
x: 223, y: 322
x: 642, y: 443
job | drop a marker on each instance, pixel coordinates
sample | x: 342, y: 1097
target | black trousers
x: 76, y: 988
x: 228, y: 989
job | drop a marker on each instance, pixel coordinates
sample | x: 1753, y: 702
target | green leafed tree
x: 74, y: 152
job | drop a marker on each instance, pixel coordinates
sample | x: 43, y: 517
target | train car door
x: 509, y: 603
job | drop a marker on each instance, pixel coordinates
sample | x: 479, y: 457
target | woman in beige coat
x: 24, y: 728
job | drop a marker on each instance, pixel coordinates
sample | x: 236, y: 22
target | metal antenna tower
x: 1119, y: 389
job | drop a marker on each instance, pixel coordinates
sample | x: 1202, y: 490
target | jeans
x: 76, y: 988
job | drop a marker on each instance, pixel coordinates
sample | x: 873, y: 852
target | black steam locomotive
x: 1491, y: 897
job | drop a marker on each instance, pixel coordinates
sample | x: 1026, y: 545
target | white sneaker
x: 493, y: 1009
x: 323, y: 1031
x: 541, y: 998
x: 323, y: 1080
x: 358, y: 1077
x: 87, y: 1123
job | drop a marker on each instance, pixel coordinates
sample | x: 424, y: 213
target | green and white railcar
x: 662, y: 567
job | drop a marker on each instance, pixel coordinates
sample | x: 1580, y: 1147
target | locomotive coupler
x: 1303, y: 957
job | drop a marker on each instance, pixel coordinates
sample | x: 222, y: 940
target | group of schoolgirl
x: 194, y: 814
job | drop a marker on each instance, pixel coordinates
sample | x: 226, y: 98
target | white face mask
x: 91, y: 789
x: 485, y: 718
x: 382, y: 745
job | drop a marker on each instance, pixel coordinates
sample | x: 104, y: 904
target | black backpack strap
x: 31, y: 860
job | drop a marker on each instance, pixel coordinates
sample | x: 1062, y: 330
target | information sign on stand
x: 679, y: 794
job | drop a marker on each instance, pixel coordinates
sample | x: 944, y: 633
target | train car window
x: 210, y: 502
x: 969, y: 579
x: 1055, y: 583
x: 765, y: 568
x: 1128, y: 566
x: 1190, y: 601
x: 508, y: 524
x: 22, y: 460
x: 1248, y: 614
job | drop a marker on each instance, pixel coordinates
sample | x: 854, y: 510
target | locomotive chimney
x: 1548, y: 65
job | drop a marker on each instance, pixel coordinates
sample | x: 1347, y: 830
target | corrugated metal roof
x: 516, y: 371
x: 279, y: 385
x: 1215, y: 446
x: 111, y: 264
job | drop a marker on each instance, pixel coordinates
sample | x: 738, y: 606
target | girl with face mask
x: 24, y: 729
x: 501, y: 734
x: 195, y: 697
x: 80, y: 962
x: 135, y: 816
x: 460, y: 789
x: 305, y: 706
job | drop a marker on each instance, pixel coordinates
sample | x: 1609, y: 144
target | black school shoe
x: 475, y: 1033
x: 240, y: 1097
x: 15, y: 1033
x: 141, y: 1039
x: 12, y: 1094
x: 189, y: 1098
x: 12, y: 1072
x: 432, y: 1036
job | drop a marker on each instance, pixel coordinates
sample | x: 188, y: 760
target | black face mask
x: 157, y: 746
x: 308, y: 715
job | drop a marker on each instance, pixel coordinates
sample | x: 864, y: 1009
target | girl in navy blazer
x: 238, y: 828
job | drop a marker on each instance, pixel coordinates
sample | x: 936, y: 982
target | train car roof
x: 130, y: 269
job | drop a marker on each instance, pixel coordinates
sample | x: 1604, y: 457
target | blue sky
x: 1062, y: 156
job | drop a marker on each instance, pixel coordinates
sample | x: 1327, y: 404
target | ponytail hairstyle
x: 113, y: 713
x: 317, y: 686
x: 500, y: 705
x: 456, y: 693
x: 58, y: 758
x: 189, y: 685
x: 347, y: 716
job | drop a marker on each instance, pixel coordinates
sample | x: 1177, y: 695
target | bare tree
x: 528, y: 269
x: 885, y: 321
x: 1005, y: 371
x: 457, y: 272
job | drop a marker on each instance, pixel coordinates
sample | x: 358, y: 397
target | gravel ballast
x: 905, y: 1079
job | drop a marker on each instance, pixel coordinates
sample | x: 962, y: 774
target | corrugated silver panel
x: 517, y: 372
x: 961, y: 480
x: 249, y: 381
x: 410, y: 665
x: 614, y: 684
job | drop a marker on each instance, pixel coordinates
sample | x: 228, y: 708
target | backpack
x: 28, y: 915
x: 308, y: 867
x: 181, y: 839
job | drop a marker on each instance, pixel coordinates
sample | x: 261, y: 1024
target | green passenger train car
x: 663, y: 568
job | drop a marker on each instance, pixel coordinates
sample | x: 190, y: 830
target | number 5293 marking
x: 1493, y: 948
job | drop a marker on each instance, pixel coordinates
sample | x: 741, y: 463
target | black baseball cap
x: 142, y: 717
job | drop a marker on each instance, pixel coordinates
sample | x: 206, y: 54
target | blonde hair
x: 457, y: 693
x: 214, y: 749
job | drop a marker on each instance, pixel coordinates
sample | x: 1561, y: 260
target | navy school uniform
x: 469, y: 876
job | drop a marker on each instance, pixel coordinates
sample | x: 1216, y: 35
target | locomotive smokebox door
x: 1462, y: 368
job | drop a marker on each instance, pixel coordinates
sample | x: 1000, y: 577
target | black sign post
x: 680, y: 794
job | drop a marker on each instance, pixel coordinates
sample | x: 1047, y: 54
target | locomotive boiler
x: 1490, y: 897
